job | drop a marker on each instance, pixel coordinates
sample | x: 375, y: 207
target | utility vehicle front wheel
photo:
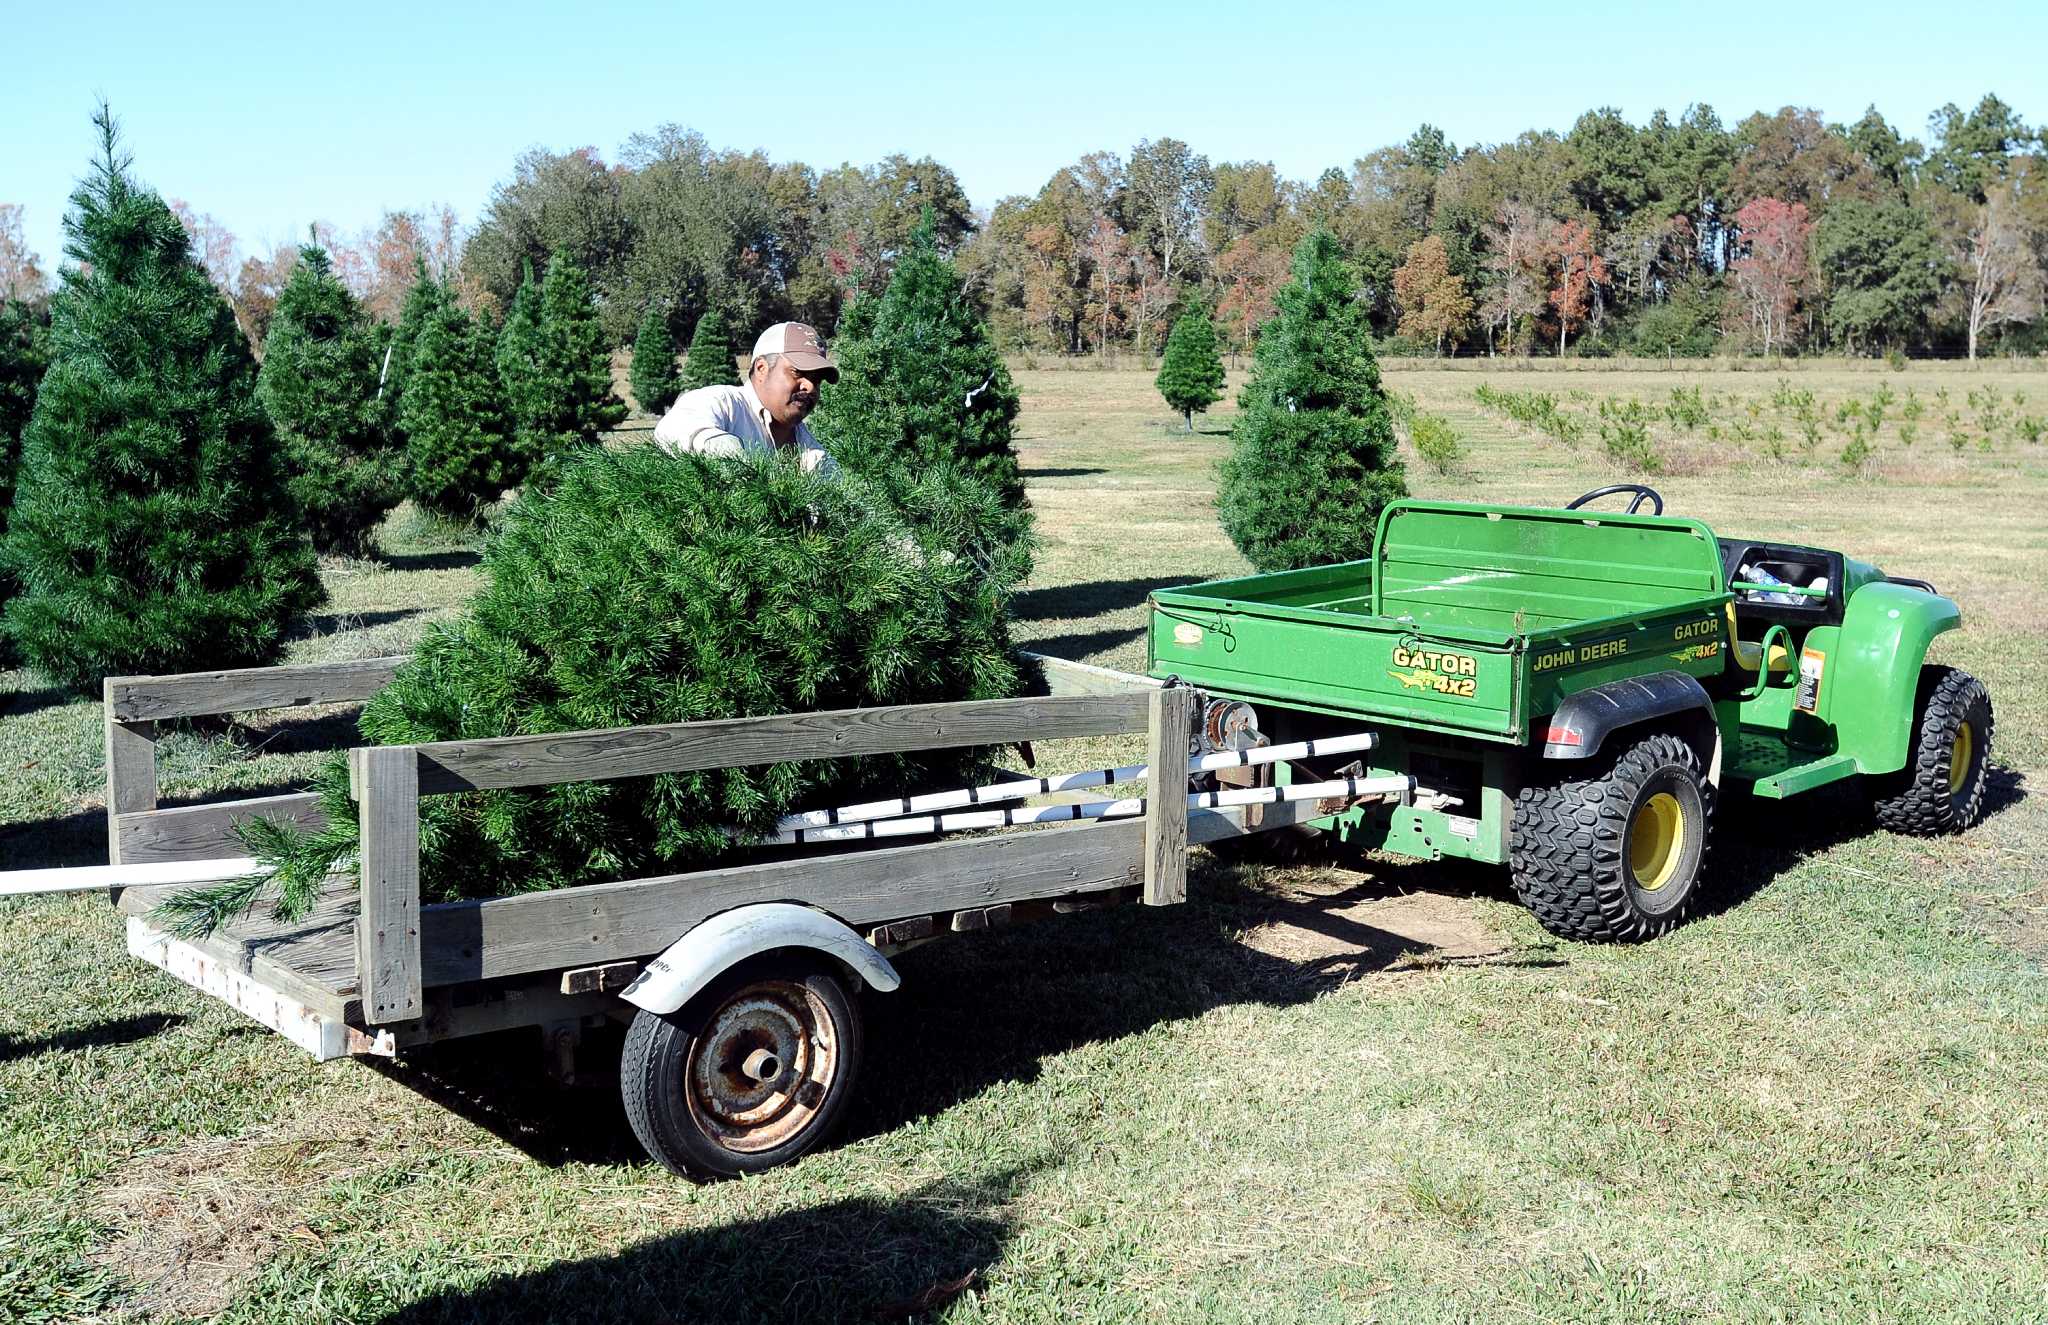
x: 753, y: 1072
x: 1616, y: 855
x: 1941, y: 788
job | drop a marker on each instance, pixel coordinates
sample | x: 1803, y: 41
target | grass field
x: 1365, y: 1090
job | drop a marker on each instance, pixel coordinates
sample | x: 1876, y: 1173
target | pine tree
x: 422, y: 301
x: 556, y: 368
x: 457, y: 433
x: 319, y: 385
x: 1312, y: 452
x: 1191, y: 378
x: 655, y: 379
x: 711, y: 358
x: 24, y: 354
x: 152, y: 530
x: 920, y: 382
x: 648, y: 588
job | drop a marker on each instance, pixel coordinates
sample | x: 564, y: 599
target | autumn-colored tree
x: 1433, y: 300
x: 21, y: 275
x: 2002, y: 273
x: 1770, y: 274
x: 1251, y: 273
x: 1514, y: 261
x: 1579, y: 272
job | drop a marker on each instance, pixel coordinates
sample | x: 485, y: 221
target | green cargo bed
x: 1468, y: 619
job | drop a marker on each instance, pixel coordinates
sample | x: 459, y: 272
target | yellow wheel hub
x: 1656, y: 841
x: 1959, y: 756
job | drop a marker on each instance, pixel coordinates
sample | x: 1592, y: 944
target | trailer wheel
x: 1941, y: 790
x: 1616, y: 856
x: 753, y: 1072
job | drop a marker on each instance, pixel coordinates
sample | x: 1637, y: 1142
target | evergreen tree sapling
x: 457, y: 433
x: 151, y: 529
x: 648, y: 588
x: 655, y: 379
x: 920, y: 382
x: 319, y: 384
x: 1191, y: 377
x: 557, y: 369
x: 1312, y: 458
x: 711, y: 357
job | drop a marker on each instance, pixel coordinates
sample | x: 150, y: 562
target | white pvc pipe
x: 91, y: 878
x: 998, y: 792
x: 1398, y: 785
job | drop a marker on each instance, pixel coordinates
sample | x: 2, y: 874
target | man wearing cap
x: 766, y: 416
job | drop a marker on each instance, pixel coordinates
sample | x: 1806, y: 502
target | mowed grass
x: 1360, y: 1090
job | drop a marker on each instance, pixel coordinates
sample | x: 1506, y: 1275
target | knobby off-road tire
x: 1941, y: 788
x: 1616, y: 853
x: 753, y: 1072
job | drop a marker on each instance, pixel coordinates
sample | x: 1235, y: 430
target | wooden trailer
x: 752, y: 1064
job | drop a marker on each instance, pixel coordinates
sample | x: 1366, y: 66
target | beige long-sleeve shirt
x: 732, y: 421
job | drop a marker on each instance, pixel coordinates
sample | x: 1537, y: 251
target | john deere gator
x: 1575, y: 688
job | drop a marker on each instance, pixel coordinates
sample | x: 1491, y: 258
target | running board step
x: 1805, y: 777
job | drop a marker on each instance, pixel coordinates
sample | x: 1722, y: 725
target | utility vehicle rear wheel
x: 1616, y: 854
x: 752, y: 1073
x: 1941, y: 788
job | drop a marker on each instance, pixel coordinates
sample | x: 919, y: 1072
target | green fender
x: 1875, y: 673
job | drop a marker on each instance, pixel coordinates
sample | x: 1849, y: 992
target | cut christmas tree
x: 1312, y: 459
x: 151, y: 529
x: 319, y: 385
x: 644, y: 588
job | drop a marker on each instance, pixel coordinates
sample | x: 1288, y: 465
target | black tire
x: 708, y: 1088
x: 1936, y: 793
x: 1598, y: 856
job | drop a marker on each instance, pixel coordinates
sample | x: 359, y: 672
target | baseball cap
x: 799, y: 343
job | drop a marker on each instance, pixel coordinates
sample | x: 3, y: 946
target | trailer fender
x: 716, y: 945
x: 1584, y: 721
x: 1875, y: 674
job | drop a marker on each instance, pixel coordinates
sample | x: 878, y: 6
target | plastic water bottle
x: 1758, y: 575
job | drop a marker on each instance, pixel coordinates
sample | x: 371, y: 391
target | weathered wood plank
x: 529, y: 761
x: 388, y: 930
x: 201, y: 832
x: 1064, y: 677
x: 131, y: 770
x: 616, y: 921
x: 1166, y: 806
x: 133, y: 698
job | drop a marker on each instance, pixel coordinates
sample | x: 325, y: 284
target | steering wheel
x: 1642, y: 493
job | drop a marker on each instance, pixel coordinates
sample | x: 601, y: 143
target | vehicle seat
x: 1749, y: 654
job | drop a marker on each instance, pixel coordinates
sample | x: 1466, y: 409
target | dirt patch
x: 196, y: 1221
x: 1340, y: 923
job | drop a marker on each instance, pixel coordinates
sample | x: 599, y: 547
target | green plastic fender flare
x: 1875, y: 673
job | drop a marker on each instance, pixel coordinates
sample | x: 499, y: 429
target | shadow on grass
x: 1030, y: 474
x: 1068, y: 602
x: 863, y: 1259
x: 455, y: 559
x: 1082, y: 645
x: 75, y: 839
x: 20, y: 703
x: 126, y: 1030
x: 332, y: 623
x: 974, y: 1011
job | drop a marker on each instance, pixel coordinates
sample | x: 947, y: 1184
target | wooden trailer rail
x: 139, y: 832
x: 402, y: 948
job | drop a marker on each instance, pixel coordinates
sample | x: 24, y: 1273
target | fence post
x: 131, y: 768
x: 386, y: 782
x: 1166, y: 807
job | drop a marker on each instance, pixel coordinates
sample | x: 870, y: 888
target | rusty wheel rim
x: 762, y: 1067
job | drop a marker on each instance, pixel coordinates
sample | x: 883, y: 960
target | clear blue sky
x: 273, y: 115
